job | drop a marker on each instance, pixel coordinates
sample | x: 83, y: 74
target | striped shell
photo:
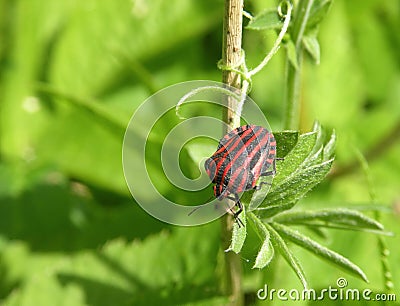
x: 242, y: 156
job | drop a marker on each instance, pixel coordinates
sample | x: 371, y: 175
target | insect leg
x: 240, y: 209
x: 273, y: 171
x: 258, y: 187
x: 268, y: 173
x: 233, y: 199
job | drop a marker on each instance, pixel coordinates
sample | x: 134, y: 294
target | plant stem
x: 292, y: 90
x: 383, y: 249
x: 231, y: 57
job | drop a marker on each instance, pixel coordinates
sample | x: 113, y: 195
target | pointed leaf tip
x: 266, y: 20
x: 319, y: 250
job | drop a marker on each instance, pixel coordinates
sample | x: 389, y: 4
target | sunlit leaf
x: 279, y: 243
x: 329, y: 149
x: 289, y: 192
x: 267, y: 20
x: 239, y: 234
x: 285, y: 142
x: 318, y: 12
x: 302, y: 168
x: 328, y: 217
x: 312, y: 46
x: 319, y: 250
x: 266, y: 252
x: 291, y: 53
x: 121, y: 272
x: 296, y: 156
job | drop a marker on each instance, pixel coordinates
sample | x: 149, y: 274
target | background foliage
x: 71, y: 75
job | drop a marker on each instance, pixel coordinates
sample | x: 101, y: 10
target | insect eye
x: 210, y: 167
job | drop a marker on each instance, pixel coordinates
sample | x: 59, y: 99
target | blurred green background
x: 71, y: 75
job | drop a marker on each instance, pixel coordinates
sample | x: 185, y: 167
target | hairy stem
x: 231, y: 57
x: 383, y: 249
x: 292, y: 90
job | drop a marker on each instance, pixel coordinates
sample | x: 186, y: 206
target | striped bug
x: 242, y: 156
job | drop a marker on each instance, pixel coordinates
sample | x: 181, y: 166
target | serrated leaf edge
x: 239, y: 234
x: 283, y: 249
x: 319, y: 250
x: 287, y: 217
x: 265, y: 236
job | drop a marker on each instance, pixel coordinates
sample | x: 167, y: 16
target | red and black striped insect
x: 242, y: 156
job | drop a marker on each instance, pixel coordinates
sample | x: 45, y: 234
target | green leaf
x: 291, y: 53
x: 175, y: 268
x: 311, y: 44
x: 303, y: 168
x: 239, y: 234
x: 77, y: 211
x: 340, y: 217
x: 285, y: 142
x: 266, y: 252
x: 319, y: 250
x: 289, y: 192
x: 98, y: 43
x: 319, y: 141
x: 296, y: 157
x: 283, y: 249
x: 95, y: 108
x: 303, y: 145
x: 329, y: 149
x: 315, y: 155
x: 256, y: 197
x: 318, y: 12
x: 266, y: 20
x: 265, y: 255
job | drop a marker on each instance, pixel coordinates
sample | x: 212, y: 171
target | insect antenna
x: 198, y: 207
